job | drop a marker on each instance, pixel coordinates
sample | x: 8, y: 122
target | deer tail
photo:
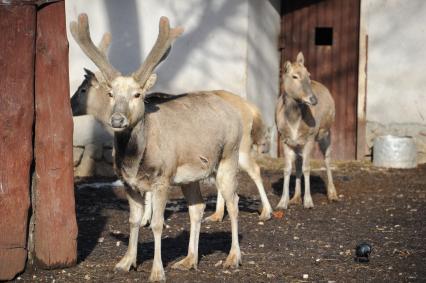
x: 258, y: 129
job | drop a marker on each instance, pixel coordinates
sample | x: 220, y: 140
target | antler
x: 81, y: 33
x: 165, y: 38
x: 105, y: 43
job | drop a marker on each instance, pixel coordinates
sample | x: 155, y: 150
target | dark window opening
x: 323, y: 36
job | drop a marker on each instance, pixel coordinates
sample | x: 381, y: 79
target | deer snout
x: 119, y: 121
x: 313, y: 100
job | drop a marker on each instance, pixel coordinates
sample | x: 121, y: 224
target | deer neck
x: 293, y: 110
x: 129, y: 147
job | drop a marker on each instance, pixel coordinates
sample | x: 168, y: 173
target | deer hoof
x: 185, y: 264
x: 333, y: 196
x: 296, y: 200
x: 157, y: 275
x: 283, y: 204
x: 265, y: 215
x: 125, y: 263
x: 215, y: 217
x: 308, y: 203
x: 232, y: 261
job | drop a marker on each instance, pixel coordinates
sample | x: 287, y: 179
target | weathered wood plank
x: 55, y: 230
x: 17, y: 30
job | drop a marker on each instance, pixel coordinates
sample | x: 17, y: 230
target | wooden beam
x: 55, y: 229
x: 17, y: 29
x: 361, y: 145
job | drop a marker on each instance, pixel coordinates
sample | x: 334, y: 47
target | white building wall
x: 211, y: 54
x: 263, y: 60
x: 396, y: 68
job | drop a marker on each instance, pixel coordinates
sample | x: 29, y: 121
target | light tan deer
x: 254, y: 133
x: 174, y: 141
x: 304, y: 114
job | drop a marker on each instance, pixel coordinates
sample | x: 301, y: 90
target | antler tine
x: 81, y: 33
x: 165, y: 38
x: 105, y: 43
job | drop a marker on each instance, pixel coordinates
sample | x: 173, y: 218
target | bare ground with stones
x: 384, y: 207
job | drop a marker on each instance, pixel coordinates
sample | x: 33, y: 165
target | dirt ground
x: 385, y: 208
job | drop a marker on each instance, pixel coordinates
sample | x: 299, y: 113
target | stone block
x: 77, y: 155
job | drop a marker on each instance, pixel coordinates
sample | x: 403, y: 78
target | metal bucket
x: 395, y: 152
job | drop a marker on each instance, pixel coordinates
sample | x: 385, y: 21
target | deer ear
x: 150, y: 82
x: 287, y: 67
x: 300, y: 58
x: 91, y: 78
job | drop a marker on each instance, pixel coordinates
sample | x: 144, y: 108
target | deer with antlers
x: 304, y: 114
x: 87, y: 98
x: 174, y: 141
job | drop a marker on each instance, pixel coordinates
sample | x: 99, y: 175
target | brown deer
x: 304, y: 114
x: 85, y: 101
x: 174, y: 141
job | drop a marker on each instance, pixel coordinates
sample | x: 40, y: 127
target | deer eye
x: 295, y: 77
x: 137, y: 95
x: 110, y: 94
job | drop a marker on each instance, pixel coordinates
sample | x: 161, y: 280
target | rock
x: 94, y: 150
x: 103, y: 169
x: 77, y: 155
x: 87, y: 131
x: 107, y: 154
x: 86, y: 168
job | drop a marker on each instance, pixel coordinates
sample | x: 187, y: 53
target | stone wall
x: 415, y: 130
x: 92, y: 148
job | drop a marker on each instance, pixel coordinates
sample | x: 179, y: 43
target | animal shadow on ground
x: 90, y: 220
x: 177, y: 247
x: 318, y: 185
x: 91, y: 205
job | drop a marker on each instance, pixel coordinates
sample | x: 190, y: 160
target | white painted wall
x: 227, y: 44
x: 211, y: 54
x: 396, y: 76
x: 263, y: 60
x: 396, y: 70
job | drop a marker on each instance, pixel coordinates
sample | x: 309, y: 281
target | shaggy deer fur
x: 175, y: 141
x: 304, y: 114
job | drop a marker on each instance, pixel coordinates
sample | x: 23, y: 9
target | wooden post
x: 17, y: 32
x: 55, y: 229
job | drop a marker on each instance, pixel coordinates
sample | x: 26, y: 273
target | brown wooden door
x: 327, y: 32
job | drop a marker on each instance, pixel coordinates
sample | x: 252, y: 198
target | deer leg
x: 159, y: 200
x: 248, y: 164
x: 306, y: 168
x: 325, y: 146
x: 196, y: 207
x: 220, y: 210
x: 227, y: 185
x: 297, y: 197
x: 289, y: 156
x: 147, y: 214
x: 136, y: 209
